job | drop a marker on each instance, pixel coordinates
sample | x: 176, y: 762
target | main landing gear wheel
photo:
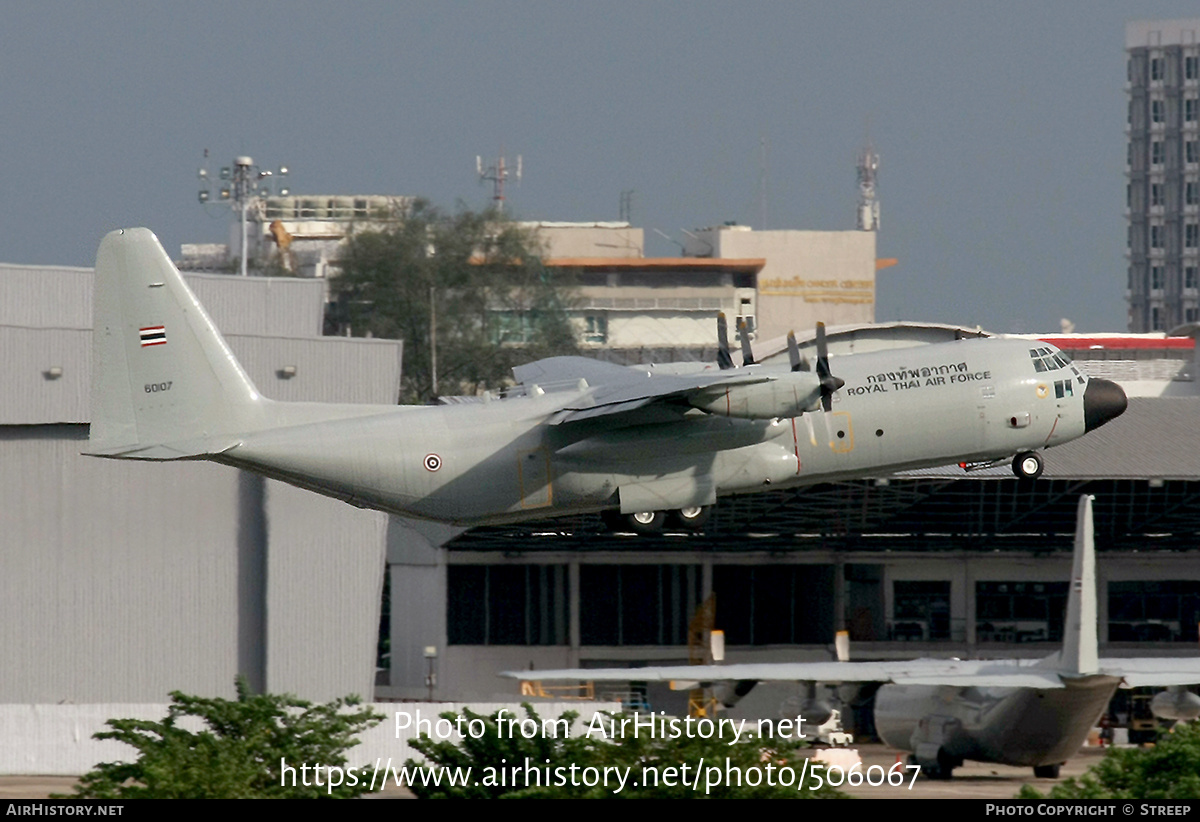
x: 690, y: 518
x: 640, y: 522
x: 1046, y: 771
x: 1028, y: 465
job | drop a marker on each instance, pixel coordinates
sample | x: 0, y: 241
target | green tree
x: 478, y: 273
x: 499, y: 750
x: 1168, y: 770
x: 239, y: 753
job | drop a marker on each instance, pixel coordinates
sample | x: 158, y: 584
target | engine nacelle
x: 1176, y: 703
x: 785, y: 395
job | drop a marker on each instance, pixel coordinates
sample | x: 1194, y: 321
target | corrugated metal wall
x: 36, y: 296
x: 60, y: 297
x: 334, y: 554
x: 117, y: 579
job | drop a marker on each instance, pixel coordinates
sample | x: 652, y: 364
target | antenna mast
x: 497, y: 173
x: 868, y: 205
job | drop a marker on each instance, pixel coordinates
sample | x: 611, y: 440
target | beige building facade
x: 807, y: 276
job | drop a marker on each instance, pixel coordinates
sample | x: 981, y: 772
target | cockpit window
x: 1046, y: 360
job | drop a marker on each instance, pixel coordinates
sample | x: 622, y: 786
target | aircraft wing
x: 615, y: 389
x: 949, y: 672
x: 1153, y: 671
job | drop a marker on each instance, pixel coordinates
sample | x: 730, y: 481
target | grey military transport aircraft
x: 575, y: 435
x: 1016, y: 712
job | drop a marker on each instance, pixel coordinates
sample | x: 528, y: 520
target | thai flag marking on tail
x: 154, y: 335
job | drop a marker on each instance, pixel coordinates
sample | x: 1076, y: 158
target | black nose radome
x: 1102, y: 401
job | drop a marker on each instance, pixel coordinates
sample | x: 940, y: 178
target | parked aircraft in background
x: 1017, y: 712
x: 576, y: 435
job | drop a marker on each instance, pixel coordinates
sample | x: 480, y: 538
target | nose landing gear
x: 1028, y: 465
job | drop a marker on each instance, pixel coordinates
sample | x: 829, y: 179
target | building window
x: 1155, y: 319
x: 1189, y: 109
x: 921, y: 610
x: 1190, y: 315
x: 1191, y: 195
x: 511, y: 327
x: 1157, y: 111
x: 1189, y: 276
x: 1191, y: 67
x: 1158, y: 68
x: 1156, y: 153
x: 1020, y: 611
x: 1193, y: 151
x: 1128, y: 195
x: 506, y: 604
x: 595, y: 329
x: 1156, y: 236
x: 637, y: 604
x: 1156, y: 277
x: 1156, y: 194
x: 1165, y: 611
x: 1191, y: 235
x: 1129, y: 154
x: 774, y: 604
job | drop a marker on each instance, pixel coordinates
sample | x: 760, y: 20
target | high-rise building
x: 1162, y: 168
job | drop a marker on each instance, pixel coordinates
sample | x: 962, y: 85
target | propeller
x: 724, y: 360
x: 829, y: 383
x: 747, y: 354
x: 799, y: 363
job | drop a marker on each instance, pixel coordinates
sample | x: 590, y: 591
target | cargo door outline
x: 533, y: 474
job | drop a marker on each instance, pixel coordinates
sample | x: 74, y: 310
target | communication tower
x: 497, y: 173
x: 868, y: 205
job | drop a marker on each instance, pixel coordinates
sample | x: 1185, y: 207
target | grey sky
x: 999, y: 125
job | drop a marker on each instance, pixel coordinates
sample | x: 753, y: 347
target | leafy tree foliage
x: 498, y: 751
x: 1168, y: 770
x: 496, y: 305
x: 238, y: 754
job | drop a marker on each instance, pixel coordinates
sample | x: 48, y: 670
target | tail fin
x: 164, y: 383
x: 1080, y: 653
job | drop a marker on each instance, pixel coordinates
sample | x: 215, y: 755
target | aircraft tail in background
x: 1080, y: 651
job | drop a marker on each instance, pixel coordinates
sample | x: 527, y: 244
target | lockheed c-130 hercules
x: 641, y: 443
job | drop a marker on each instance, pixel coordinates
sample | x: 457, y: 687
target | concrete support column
x: 417, y: 565
x: 573, y: 629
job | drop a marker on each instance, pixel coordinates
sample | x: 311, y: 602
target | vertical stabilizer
x: 164, y: 383
x: 1080, y: 653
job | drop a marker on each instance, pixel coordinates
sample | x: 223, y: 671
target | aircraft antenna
x: 497, y: 174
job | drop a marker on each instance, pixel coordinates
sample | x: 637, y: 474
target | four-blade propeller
x: 828, y: 382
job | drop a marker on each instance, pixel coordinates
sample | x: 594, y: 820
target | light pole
x: 240, y: 183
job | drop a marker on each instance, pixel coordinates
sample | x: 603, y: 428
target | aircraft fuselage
x: 502, y: 461
x: 1012, y: 726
